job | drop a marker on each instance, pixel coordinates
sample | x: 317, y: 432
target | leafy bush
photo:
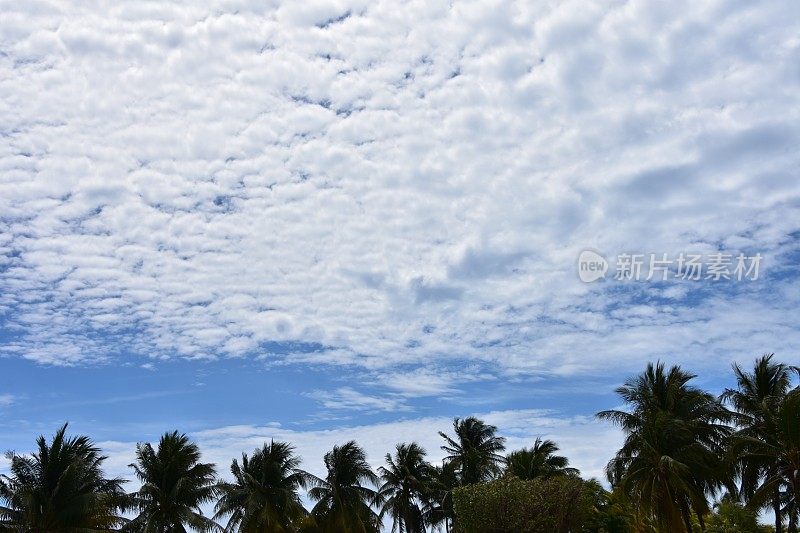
x: 732, y: 517
x: 611, y: 512
x: 511, y: 505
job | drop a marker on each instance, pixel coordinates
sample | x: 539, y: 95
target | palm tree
x: 406, y: 488
x: 539, y: 461
x: 444, y: 481
x: 756, y: 400
x: 671, y: 458
x: 781, y: 452
x: 475, y: 450
x: 344, y: 502
x: 61, y: 487
x: 264, y: 495
x: 175, y: 484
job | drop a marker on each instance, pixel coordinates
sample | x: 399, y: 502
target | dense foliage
x: 690, y: 462
x: 733, y: 517
x: 511, y: 505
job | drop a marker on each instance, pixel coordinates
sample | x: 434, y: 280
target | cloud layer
x: 394, y: 188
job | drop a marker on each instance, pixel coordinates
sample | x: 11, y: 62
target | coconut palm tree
x: 175, y: 484
x: 61, y: 487
x: 781, y: 452
x: 756, y: 400
x: 444, y: 481
x: 671, y: 459
x: 263, y: 498
x: 475, y: 450
x: 406, y: 488
x: 539, y: 461
x: 344, y: 499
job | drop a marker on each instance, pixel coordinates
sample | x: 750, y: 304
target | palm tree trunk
x: 776, y: 508
x: 687, y: 518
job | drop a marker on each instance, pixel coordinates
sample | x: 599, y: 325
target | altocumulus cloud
x: 384, y: 185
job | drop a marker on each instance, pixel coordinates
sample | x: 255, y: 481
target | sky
x: 323, y: 221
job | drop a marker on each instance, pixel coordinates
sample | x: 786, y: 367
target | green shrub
x: 733, y: 517
x: 511, y: 505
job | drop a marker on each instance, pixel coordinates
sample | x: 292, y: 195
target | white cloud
x: 430, y: 381
x: 352, y: 400
x: 398, y: 187
x: 7, y: 399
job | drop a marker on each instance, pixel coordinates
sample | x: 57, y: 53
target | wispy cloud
x: 110, y: 400
x: 7, y: 399
x: 432, y: 381
x: 350, y: 399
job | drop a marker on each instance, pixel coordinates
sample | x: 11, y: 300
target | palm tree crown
x: 61, y: 487
x: 758, y: 393
x: 782, y: 452
x: 264, y: 494
x: 406, y: 488
x: 343, y: 499
x: 175, y: 484
x: 444, y: 481
x: 671, y: 457
x: 539, y: 461
x: 756, y: 400
x: 475, y: 449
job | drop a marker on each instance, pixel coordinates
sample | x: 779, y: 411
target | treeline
x: 684, y: 449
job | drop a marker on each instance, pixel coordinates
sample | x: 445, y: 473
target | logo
x: 717, y: 266
x: 591, y: 266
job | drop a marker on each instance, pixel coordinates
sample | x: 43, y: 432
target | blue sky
x: 319, y: 221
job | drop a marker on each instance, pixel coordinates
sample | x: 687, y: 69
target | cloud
x: 405, y: 192
x: 6, y: 400
x: 352, y: 400
x: 431, y: 381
